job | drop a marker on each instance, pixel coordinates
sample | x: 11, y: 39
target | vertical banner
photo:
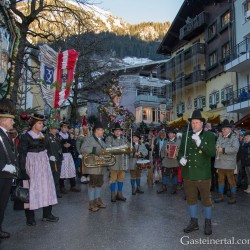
x: 57, y: 73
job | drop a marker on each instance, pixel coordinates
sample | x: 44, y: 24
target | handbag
x: 21, y: 194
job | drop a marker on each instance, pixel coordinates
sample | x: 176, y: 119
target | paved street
x: 147, y: 221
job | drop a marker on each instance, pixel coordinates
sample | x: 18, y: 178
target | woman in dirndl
x: 37, y: 175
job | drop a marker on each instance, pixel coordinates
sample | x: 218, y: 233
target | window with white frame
x: 144, y: 114
x: 200, y: 102
x: 227, y: 93
x: 246, y: 10
x: 155, y: 115
x: 214, y: 98
x: 180, y: 108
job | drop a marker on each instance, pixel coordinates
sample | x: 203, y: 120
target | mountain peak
x: 97, y: 20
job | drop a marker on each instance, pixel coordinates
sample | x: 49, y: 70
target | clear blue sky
x: 137, y: 11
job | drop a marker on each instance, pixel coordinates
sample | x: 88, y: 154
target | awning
x: 212, y: 118
x: 244, y: 122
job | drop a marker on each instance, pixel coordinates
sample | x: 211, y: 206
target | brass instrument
x: 104, y: 160
x: 118, y: 150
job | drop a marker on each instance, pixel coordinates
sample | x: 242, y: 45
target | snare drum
x: 172, y: 151
x: 143, y: 164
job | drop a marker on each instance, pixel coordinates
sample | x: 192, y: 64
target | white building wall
x: 242, y: 24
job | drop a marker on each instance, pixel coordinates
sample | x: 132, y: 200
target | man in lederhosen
x: 68, y: 170
x: 140, y: 151
x: 196, y: 150
x: 117, y: 172
x: 94, y: 144
x: 54, y: 147
x: 8, y: 158
x: 169, y: 152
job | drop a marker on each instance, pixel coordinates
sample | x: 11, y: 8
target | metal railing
x: 150, y: 98
x: 188, y: 79
x: 193, y: 24
x: 237, y: 96
x: 238, y: 50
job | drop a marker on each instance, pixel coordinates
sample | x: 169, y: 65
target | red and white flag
x: 57, y: 73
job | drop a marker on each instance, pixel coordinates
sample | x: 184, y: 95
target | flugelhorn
x: 118, y: 150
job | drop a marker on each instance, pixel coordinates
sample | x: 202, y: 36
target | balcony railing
x: 196, y: 23
x: 150, y: 98
x: 238, y: 50
x: 237, y: 96
x: 186, y: 80
x: 198, y: 48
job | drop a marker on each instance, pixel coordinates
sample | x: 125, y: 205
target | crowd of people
x: 197, y: 161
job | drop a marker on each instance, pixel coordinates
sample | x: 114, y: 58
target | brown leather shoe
x: 74, y: 189
x: 92, y: 206
x: 120, y: 197
x: 99, y: 203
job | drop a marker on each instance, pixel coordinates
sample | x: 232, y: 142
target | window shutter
x: 231, y: 93
x: 210, y: 99
x: 203, y: 101
x: 177, y: 109
x: 183, y: 108
x: 222, y: 94
x: 195, y: 103
x: 217, y: 97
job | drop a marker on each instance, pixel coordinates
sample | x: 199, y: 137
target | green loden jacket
x: 198, y: 165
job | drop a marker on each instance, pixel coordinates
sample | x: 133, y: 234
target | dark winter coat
x: 11, y: 149
x: 245, y: 155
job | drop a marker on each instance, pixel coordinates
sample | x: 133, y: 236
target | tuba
x: 94, y: 161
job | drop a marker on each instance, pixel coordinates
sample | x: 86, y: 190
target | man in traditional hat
x: 54, y: 147
x: 94, y: 144
x: 157, y: 161
x: 196, y: 150
x: 227, y: 147
x: 169, y: 152
x: 140, y: 151
x: 79, y: 141
x: 68, y: 170
x: 8, y: 158
x: 117, y: 172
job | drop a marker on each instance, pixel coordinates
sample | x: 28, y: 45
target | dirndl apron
x: 41, y: 185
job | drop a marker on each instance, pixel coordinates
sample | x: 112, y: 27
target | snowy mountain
x: 94, y: 19
x: 110, y: 21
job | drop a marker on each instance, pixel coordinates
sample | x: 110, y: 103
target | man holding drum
x: 117, y: 172
x: 140, y: 151
x: 169, y: 152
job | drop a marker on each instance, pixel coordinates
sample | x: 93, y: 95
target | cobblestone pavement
x: 145, y: 221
